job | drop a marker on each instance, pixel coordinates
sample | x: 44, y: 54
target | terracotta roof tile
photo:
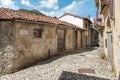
x: 17, y: 15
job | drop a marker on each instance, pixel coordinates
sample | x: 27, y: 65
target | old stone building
x: 108, y: 19
x: 107, y: 29
x: 84, y: 23
x: 26, y: 38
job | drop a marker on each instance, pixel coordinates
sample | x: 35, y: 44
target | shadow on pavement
x: 62, y: 54
x: 75, y: 76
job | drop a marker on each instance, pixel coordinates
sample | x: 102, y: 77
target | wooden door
x: 81, y: 39
x: 60, y: 40
x: 76, y: 35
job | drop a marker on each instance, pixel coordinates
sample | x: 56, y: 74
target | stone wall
x: 88, y: 32
x: 84, y: 44
x: 69, y: 39
x: 6, y: 60
x: 94, y: 37
x: 29, y: 49
x: 115, y: 28
x: 6, y: 46
x: 79, y: 39
x: 19, y: 48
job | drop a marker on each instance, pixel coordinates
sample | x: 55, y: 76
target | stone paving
x: 65, y: 67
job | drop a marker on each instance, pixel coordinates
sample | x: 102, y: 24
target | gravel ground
x: 65, y: 67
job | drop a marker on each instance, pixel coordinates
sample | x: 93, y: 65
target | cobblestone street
x: 65, y: 67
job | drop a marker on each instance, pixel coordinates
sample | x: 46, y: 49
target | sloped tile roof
x: 10, y: 14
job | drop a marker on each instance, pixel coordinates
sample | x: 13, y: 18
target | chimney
x: 88, y: 17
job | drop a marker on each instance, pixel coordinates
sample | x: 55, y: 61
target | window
x: 37, y: 33
x: 111, y: 39
x: 86, y: 25
x: 106, y: 43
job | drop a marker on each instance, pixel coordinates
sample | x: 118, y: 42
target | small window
x: 37, y: 33
x: 86, y: 25
x: 106, y: 43
x: 111, y: 39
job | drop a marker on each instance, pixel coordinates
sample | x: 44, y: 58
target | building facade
x: 26, y: 38
x: 84, y: 23
x: 108, y: 19
x: 116, y: 37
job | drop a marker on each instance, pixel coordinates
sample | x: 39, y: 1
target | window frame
x: 39, y: 34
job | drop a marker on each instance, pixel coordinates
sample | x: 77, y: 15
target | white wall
x: 73, y: 20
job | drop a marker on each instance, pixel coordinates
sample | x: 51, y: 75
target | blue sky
x: 54, y: 7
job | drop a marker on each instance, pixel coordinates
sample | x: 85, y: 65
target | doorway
x: 60, y: 40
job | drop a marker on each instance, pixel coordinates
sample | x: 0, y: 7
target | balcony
x: 104, y: 5
x: 105, y: 2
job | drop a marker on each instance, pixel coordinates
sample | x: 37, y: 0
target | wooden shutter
x: 37, y: 33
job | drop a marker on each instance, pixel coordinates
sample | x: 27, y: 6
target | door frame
x: 76, y: 38
x: 64, y: 48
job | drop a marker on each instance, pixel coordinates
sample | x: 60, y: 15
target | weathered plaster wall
x: 19, y: 49
x: 61, y: 38
x: 116, y: 39
x: 79, y: 39
x: 101, y: 37
x: 89, y: 37
x: 86, y: 25
x: 105, y: 18
x: 6, y: 46
x: 69, y: 39
x: 105, y: 38
x: 28, y: 49
x: 93, y: 37
x: 84, y: 44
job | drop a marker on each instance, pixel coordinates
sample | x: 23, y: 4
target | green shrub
x: 103, y: 56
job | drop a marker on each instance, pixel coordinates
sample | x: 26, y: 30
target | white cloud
x: 92, y: 19
x: 27, y: 3
x: 70, y: 8
x: 8, y: 4
x: 76, y: 7
x: 49, y: 4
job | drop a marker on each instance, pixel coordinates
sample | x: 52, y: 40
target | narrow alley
x: 80, y: 65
